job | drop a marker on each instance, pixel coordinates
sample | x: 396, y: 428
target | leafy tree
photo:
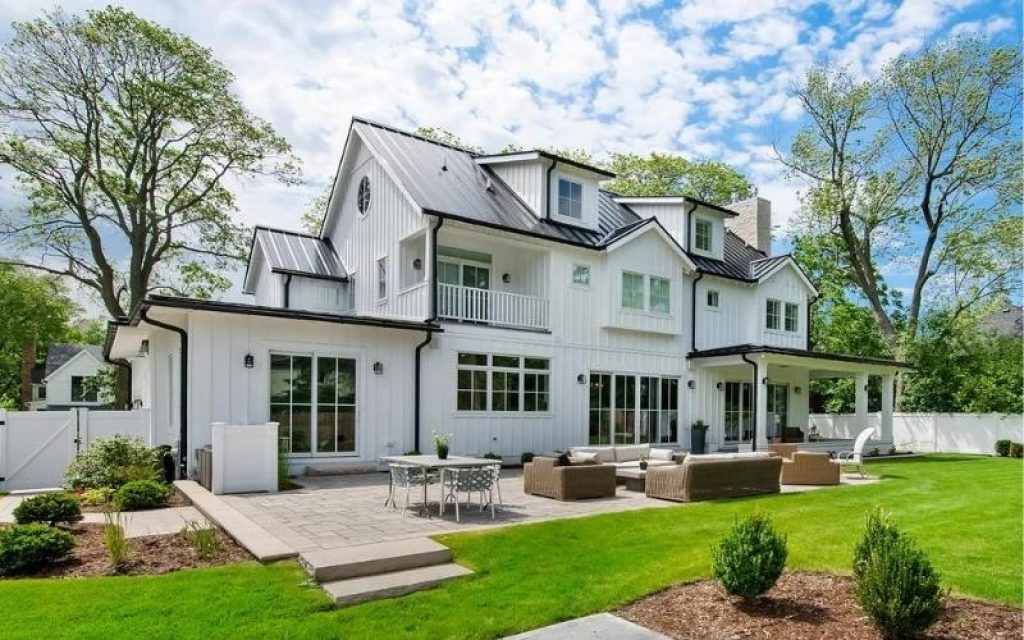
x: 444, y: 136
x: 576, y: 154
x: 313, y: 217
x: 667, y: 174
x: 124, y: 135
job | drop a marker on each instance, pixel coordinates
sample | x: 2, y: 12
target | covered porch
x: 759, y: 395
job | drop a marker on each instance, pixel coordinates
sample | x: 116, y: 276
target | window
x: 792, y: 317
x: 773, y: 313
x: 80, y: 392
x: 570, y: 199
x: 660, y: 302
x: 327, y: 296
x: 712, y: 298
x: 632, y: 290
x: 308, y: 392
x: 382, y: 278
x: 516, y: 383
x: 291, y: 399
x: 363, y: 195
x: 702, y: 235
x: 631, y: 409
x: 581, y: 274
x: 335, y: 405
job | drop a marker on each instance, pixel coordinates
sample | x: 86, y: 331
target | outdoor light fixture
x: 144, y: 348
x: 691, y: 384
x: 417, y: 264
x: 581, y: 379
x: 250, y: 362
x: 506, y: 278
x: 764, y: 380
x: 796, y: 390
x: 378, y: 368
x: 719, y: 386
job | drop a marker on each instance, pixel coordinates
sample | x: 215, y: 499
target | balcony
x: 496, y: 308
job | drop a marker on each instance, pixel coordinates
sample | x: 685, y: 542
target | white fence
x: 932, y: 432
x: 244, y: 457
x: 37, y: 446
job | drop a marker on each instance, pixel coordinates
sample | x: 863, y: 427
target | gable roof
x: 291, y: 252
x: 60, y: 353
x: 1008, y: 320
x: 628, y: 233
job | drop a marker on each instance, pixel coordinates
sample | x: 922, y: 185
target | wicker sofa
x: 715, y: 476
x: 544, y: 477
x: 807, y: 467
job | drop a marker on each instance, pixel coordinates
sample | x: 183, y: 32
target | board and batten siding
x: 786, y: 286
x: 362, y: 239
x: 526, y: 179
x: 671, y: 216
x: 269, y: 287
x: 732, y: 322
x: 648, y: 255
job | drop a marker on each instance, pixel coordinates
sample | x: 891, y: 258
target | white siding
x: 648, y: 255
x: 314, y: 294
x: 526, y: 179
x: 269, y: 287
x: 732, y: 322
x: 58, y: 385
x: 785, y: 286
x: 716, y: 218
x: 590, y: 193
x: 671, y: 216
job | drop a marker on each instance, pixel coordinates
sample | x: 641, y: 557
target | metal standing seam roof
x: 293, y: 252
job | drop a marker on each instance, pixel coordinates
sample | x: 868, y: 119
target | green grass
x: 964, y: 511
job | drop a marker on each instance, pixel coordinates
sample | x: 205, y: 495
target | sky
x: 708, y: 79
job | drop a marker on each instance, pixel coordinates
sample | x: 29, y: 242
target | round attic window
x: 363, y: 197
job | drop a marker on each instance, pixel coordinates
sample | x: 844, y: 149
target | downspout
x: 810, y: 344
x: 430, y: 333
x: 693, y: 313
x: 182, y: 392
x: 753, y: 398
x: 287, y: 290
x: 547, y: 189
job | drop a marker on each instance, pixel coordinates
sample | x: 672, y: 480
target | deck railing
x: 498, y: 308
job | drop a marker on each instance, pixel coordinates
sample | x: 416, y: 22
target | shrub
x: 30, y: 546
x: 115, y: 540
x: 282, y: 465
x: 111, y: 462
x: 1003, y: 448
x: 49, y: 508
x: 896, y: 585
x: 97, y: 497
x: 526, y: 457
x: 142, y: 494
x: 750, y: 559
x: 203, y: 537
x: 1016, y: 450
x: 490, y: 455
x: 879, y: 531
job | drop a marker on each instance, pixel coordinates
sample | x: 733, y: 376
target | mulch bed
x: 149, y: 555
x: 177, y: 499
x: 803, y: 605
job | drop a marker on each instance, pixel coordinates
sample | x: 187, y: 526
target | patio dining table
x: 432, y: 462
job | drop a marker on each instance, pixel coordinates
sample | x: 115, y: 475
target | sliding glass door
x: 632, y: 409
x: 738, y: 412
x: 778, y: 409
x: 297, y: 404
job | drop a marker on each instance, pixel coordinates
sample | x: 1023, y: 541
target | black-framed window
x: 772, y: 314
x: 570, y: 198
x: 702, y: 234
x: 792, y: 318
x: 502, y: 383
x: 80, y: 391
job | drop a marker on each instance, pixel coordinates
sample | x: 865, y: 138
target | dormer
x: 554, y: 188
x: 697, y: 226
x: 707, y: 230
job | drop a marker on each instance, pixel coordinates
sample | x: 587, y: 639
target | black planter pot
x: 697, y: 440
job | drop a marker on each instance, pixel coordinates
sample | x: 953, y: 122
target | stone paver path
x: 136, y: 524
x: 600, y: 626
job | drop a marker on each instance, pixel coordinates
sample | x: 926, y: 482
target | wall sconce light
x: 581, y: 379
x: 720, y: 385
x: 144, y: 348
x: 866, y: 387
x: 250, y: 362
x: 378, y: 368
x: 417, y: 264
x: 691, y: 384
x: 764, y: 381
x: 797, y: 390
x: 506, y: 278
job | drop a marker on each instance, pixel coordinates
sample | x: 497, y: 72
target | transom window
x: 313, y: 399
x: 773, y: 314
x: 570, y: 198
x: 581, y: 274
x: 712, y: 298
x: 702, y: 235
x: 792, y: 319
x: 502, y: 383
x: 363, y: 195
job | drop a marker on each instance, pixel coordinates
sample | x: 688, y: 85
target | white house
x: 506, y: 299
x: 63, y: 385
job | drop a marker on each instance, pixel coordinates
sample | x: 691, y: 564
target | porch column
x: 888, y: 381
x: 861, y: 404
x: 761, y: 407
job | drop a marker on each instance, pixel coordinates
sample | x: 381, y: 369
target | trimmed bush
x: 111, y: 462
x: 750, y: 559
x: 30, y: 546
x: 526, y: 457
x: 1003, y: 448
x: 490, y: 455
x: 97, y: 497
x: 1016, y: 450
x: 142, y: 494
x: 49, y: 508
x: 896, y: 585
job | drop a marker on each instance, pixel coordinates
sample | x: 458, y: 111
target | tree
x: 123, y: 136
x: 444, y: 136
x: 666, y: 174
x: 576, y: 154
x: 313, y: 217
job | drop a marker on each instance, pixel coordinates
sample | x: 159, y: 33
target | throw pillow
x: 661, y: 454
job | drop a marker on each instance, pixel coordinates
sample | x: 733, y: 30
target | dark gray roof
x: 1008, y: 320
x: 738, y: 260
x: 59, y: 353
x: 298, y: 253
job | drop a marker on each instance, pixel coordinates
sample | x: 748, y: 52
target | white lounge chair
x: 856, y: 457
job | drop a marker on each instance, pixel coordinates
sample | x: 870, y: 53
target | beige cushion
x: 583, y: 457
x: 661, y: 454
x: 627, y: 453
x: 604, y: 454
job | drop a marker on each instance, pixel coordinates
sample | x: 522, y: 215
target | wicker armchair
x: 710, y: 479
x: 543, y: 477
x: 806, y: 467
x: 786, y: 451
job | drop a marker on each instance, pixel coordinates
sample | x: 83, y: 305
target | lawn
x: 965, y: 511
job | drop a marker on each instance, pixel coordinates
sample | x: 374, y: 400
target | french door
x: 778, y: 409
x: 464, y: 289
x: 313, y: 399
x: 632, y: 409
x: 739, y: 412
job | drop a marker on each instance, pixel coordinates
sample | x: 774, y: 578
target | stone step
x: 328, y: 565
x: 389, y: 585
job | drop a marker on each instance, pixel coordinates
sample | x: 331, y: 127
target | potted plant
x: 698, y: 430
x: 643, y: 461
x: 442, y: 442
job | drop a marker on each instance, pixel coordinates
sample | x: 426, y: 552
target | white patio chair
x: 856, y: 457
x: 479, y: 480
x: 407, y: 477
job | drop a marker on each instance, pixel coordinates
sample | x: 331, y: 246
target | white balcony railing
x: 469, y: 304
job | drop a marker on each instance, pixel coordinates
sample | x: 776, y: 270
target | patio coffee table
x: 429, y: 462
x: 632, y: 479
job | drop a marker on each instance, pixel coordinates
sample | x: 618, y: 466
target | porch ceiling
x: 819, y: 364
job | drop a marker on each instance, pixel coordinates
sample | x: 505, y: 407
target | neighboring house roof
x: 291, y: 252
x: 1008, y: 320
x: 61, y: 353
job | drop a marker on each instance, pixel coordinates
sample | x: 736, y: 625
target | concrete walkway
x: 137, y: 524
x: 600, y: 626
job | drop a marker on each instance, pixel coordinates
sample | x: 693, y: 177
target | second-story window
x: 570, y: 199
x: 660, y: 301
x: 632, y: 290
x: 792, y: 321
x: 581, y: 274
x: 382, y: 278
x: 712, y: 298
x: 702, y: 235
x: 773, y: 314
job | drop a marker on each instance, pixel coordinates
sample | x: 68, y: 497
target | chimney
x: 754, y: 223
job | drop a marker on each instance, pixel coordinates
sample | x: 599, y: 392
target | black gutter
x: 108, y: 340
x: 308, y: 274
x: 809, y: 342
x: 753, y: 398
x: 430, y: 335
x: 287, y: 290
x: 693, y: 314
x: 182, y: 390
x: 742, y: 349
x: 547, y: 188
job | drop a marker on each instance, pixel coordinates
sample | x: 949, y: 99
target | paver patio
x: 340, y: 511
